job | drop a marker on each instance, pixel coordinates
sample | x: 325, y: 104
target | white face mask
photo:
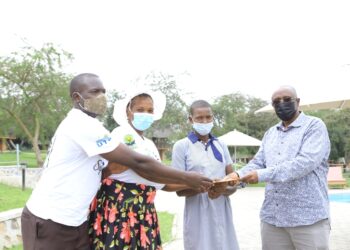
x: 203, y: 128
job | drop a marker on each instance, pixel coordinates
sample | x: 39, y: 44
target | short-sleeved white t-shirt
x: 128, y: 136
x: 72, y: 170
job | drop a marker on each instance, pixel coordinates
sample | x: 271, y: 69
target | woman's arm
x: 154, y: 170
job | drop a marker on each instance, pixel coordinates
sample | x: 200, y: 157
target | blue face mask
x: 203, y: 128
x: 142, y: 121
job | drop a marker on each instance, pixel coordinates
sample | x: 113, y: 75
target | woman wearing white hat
x: 123, y: 213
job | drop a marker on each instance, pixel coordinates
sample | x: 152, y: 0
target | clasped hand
x: 225, y: 186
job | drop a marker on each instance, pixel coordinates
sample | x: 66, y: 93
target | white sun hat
x: 159, y: 102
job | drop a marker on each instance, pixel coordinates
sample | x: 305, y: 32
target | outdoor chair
x: 335, y: 177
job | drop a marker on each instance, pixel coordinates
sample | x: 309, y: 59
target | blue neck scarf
x: 194, y: 138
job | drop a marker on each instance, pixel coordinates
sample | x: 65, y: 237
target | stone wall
x: 12, y: 175
x: 10, y: 228
x: 10, y: 221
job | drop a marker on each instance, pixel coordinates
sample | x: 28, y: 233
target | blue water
x: 341, y: 197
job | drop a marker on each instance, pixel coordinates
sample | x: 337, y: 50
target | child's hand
x: 212, y: 194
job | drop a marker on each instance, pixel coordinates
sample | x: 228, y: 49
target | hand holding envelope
x: 224, y: 186
x: 231, y: 179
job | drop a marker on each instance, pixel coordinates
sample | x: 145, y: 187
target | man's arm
x: 174, y: 187
x: 258, y: 162
x: 154, y: 170
x: 314, y: 150
x: 187, y: 192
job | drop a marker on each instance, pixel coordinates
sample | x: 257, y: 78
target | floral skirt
x: 123, y: 216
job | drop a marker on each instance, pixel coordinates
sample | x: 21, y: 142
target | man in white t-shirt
x: 55, y: 216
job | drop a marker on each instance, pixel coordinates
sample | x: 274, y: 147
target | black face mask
x: 285, y: 110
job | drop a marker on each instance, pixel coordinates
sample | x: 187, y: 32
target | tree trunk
x: 34, y: 139
x: 36, y: 148
x: 37, y: 152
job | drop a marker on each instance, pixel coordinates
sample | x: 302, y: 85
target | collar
x: 295, y: 124
x: 78, y: 112
x: 194, y: 138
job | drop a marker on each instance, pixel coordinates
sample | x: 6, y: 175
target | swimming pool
x: 340, y: 197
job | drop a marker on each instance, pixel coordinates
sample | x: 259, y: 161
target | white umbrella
x: 236, y: 138
x: 308, y: 106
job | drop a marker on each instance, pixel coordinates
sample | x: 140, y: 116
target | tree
x: 228, y: 111
x: 236, y: 111
x: 34, y: 92
x: 175, y: 115
x: 337, y: 122
x: 108, y: 119
x: 258, y: 124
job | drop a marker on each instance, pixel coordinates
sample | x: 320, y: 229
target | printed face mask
x: 203, y: 128
x: 285, y: 110
x: 142, y: 121
x: 96, y: 105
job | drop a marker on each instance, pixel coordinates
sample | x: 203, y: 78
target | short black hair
x: 199, y: 104
x: 78, y: 81
x: 131, y: 102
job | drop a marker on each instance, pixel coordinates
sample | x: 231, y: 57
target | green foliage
x: 175, y: 115
x: 34, y: 92
x: 257, y: 124
x: 347, y: 177
x: 166, y: 161
x: 108, y: 120
x: 236, y: 111
x: 20, y: 247
x: 337, y: 122
x: 12, y: 197
x: 229, y: 112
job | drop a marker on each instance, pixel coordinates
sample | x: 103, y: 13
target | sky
x: 212, y: 47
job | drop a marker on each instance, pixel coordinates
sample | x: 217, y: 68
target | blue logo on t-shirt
x: 103, y: 141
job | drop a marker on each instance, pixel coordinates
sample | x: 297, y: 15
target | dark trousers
x: 40, y: 234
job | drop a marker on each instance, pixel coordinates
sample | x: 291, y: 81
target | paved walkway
x: 246, y: 204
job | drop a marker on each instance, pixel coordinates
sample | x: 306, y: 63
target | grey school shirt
x: 208, y: 223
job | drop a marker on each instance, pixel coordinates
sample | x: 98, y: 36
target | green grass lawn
x: 260, y: 184
x: 12, y: 197
x: 10, y: 158
x: 15, y: 248
x: 166, y: 224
